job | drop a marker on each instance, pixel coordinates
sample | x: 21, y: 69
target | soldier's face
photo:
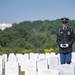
x: 64, y: 23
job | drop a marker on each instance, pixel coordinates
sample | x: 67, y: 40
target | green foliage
x: 26, y: 51
x: 48, y: 50
x: 27, y: 36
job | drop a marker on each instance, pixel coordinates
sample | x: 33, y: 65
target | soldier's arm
x: 72, y: 37
x: 58, y: 39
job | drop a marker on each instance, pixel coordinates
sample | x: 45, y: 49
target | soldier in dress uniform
x: 65, y: 39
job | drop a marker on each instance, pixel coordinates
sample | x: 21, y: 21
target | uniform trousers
x: 65, y: 58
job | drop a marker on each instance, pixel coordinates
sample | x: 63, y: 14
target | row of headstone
x: 32, y: 56
x: 22, y: 58
x: 31, y: 65
x: 36, y: 63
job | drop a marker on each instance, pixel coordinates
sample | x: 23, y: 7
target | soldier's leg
x: 62, y: 58
x: 68, y: 58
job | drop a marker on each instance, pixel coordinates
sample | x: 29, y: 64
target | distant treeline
x: 37, y: 36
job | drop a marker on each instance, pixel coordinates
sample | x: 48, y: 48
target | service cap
x: 64, y: 20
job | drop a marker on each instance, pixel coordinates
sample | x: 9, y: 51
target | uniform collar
x: 65, y: 27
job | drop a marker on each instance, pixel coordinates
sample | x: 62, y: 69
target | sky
x: 16, y: 11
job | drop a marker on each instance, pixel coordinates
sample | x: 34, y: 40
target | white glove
x: 66, y: 45
x: 61, y: 45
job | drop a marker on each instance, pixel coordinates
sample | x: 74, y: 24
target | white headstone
x: 1, y: 65
x: 4, y: 60
x: 42, y: 56
x: 42, y: 64
x: 66, y: 69
x: 58, y: 55
x: 19, y: 58
x: 47, y: 57
x: 30, y: 67
x: 21, y: 61
x: 37, y: 55
x: 26, y: 56
x: 73, y: 57
x: 5, y: 57
x: 52, y: 53
x: 11, y: 68
x: 33, y: 56
x: 12, y: 57
x: 53, y: 62
x: 48, y: 72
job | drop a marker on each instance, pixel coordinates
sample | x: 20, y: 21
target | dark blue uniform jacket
x: 65, y: 36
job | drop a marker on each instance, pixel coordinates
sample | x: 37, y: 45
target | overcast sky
x: 15, y: 11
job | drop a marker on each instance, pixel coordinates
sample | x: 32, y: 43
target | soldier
x: 65, y: 39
